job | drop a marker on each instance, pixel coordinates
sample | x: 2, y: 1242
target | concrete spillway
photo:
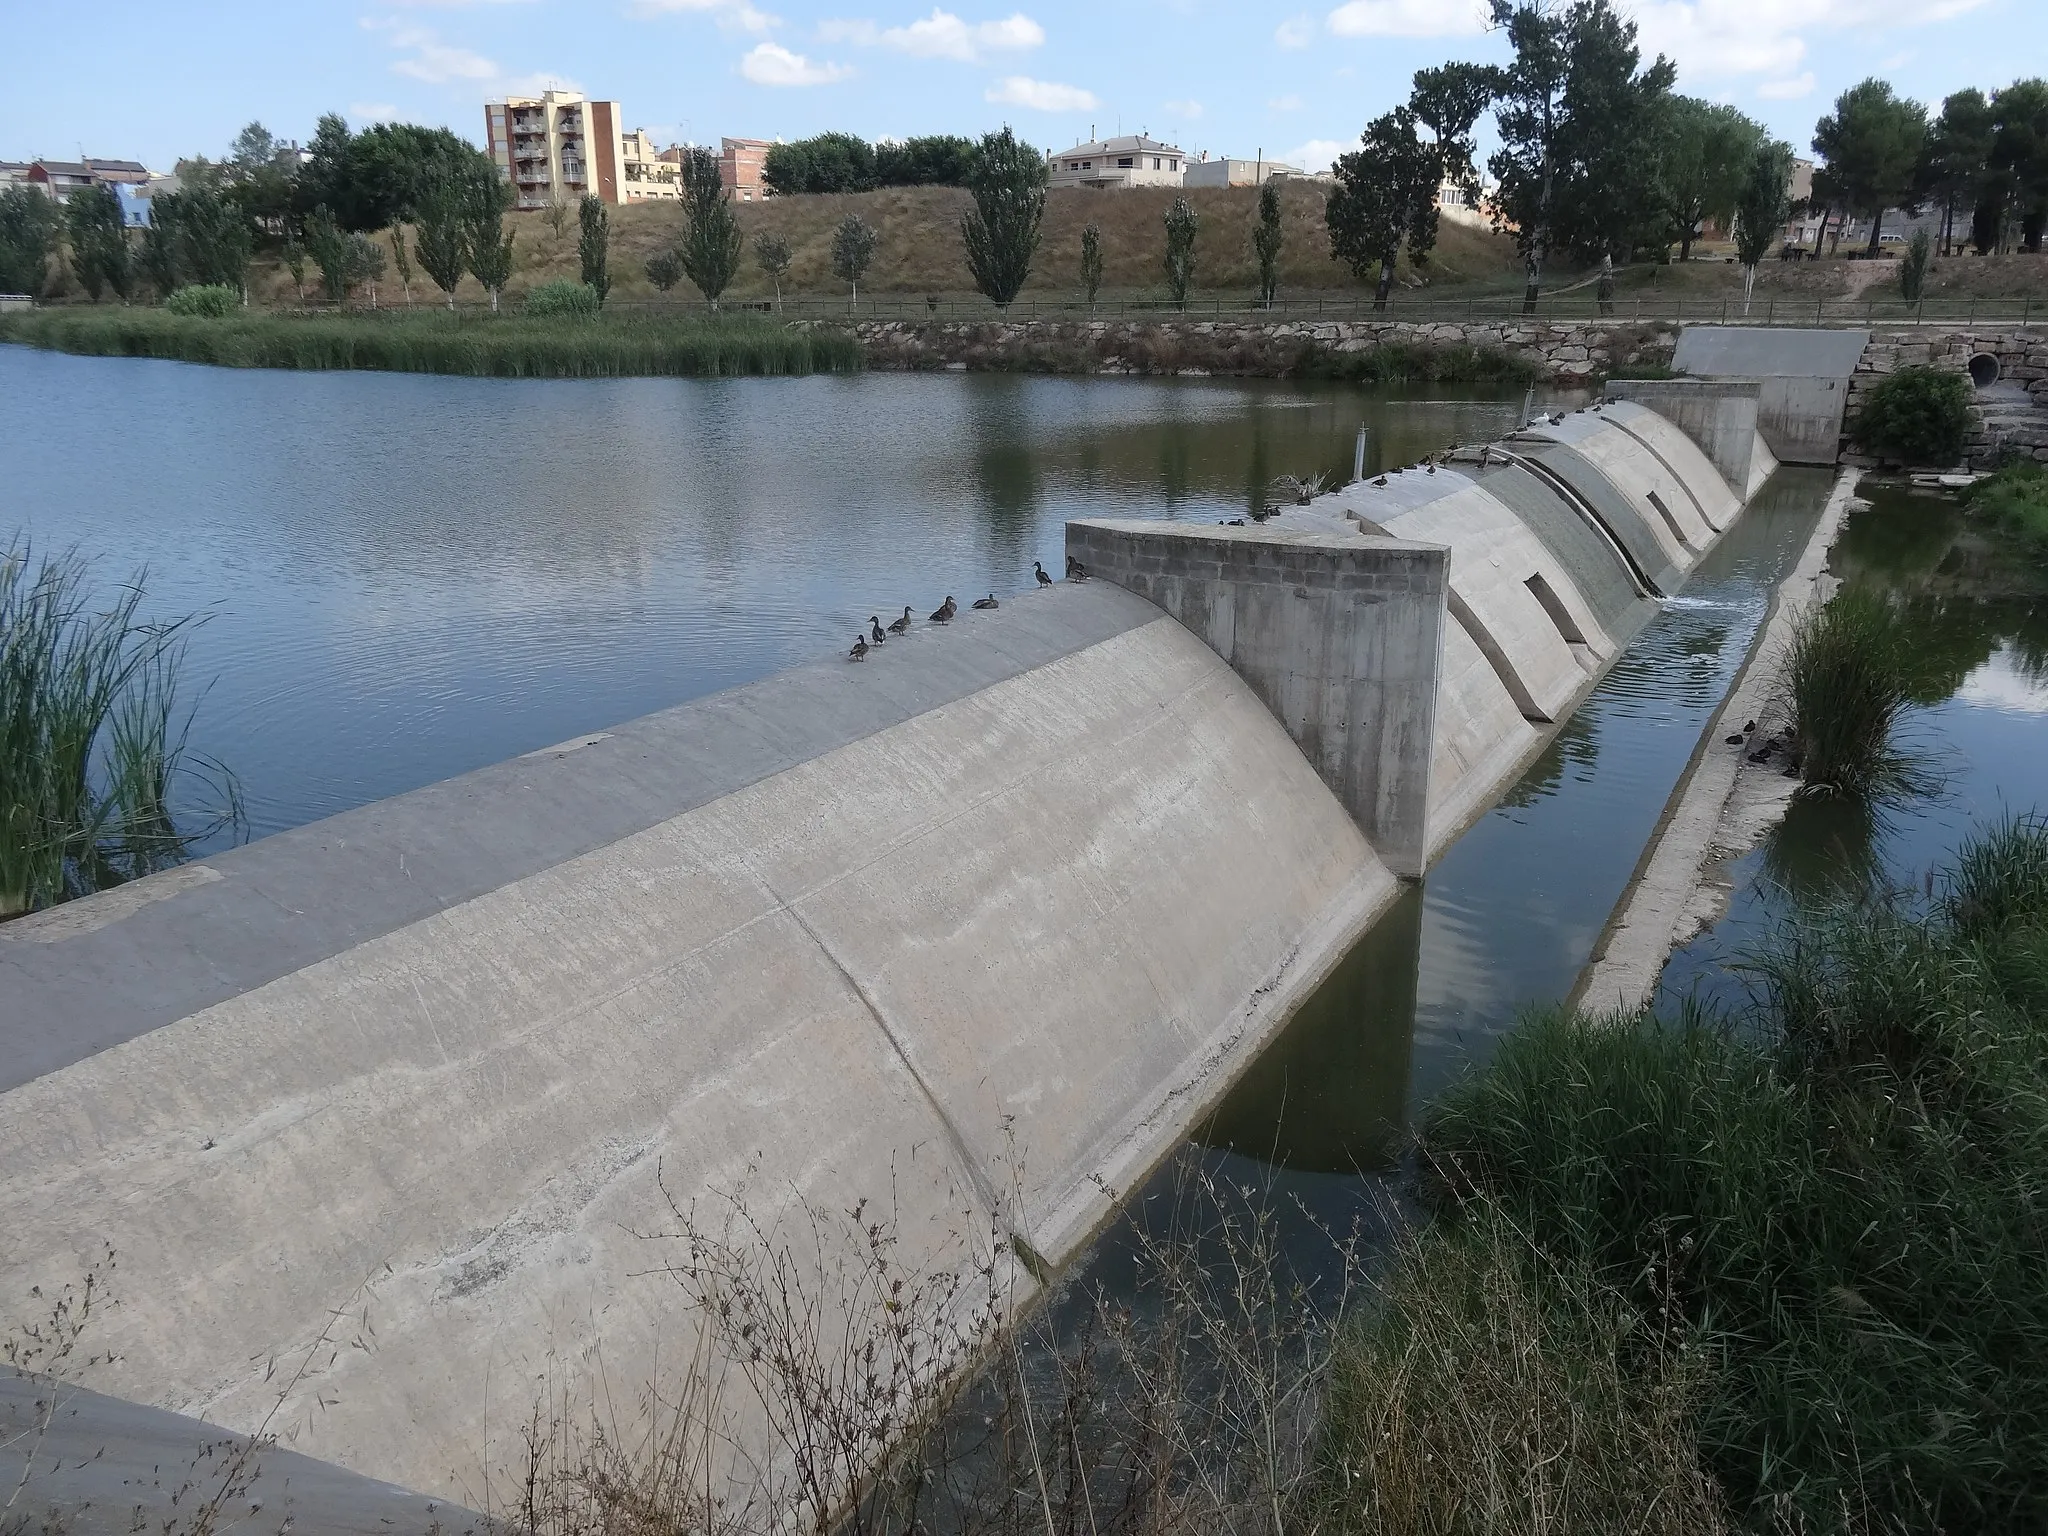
x: 979, y: 925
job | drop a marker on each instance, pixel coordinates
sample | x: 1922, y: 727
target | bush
x: 2015, y: 501
x: 563, y: 298
x: 206, y: 301
x: 1916, y: 416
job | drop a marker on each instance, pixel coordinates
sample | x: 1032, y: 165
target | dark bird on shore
x: 859, y: 651
x: 1734, y: 741
x: 1558, y: 419
x: 1381, y: 481
x: 1039, y: 569
x: 945, y: 611
x: 1236, y: 522
x: 1749, y: 727
x: 898, y: 626
x: 875, y: 629
x: 1076, y: 571
x: 987, y: 602
x: 1431, y: 470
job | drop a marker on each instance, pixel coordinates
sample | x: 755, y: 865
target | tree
x: 1091, y: 262
x: 1761, y: 208
x: 1180, y: 251
x: 1574, y: 114
x: 28, y: 233
x: 2019, y: 155
x: 261, y: 174
x: 1872, y: 143
x: 712, y: 238
x: 1007, y: 182
x: 402, y: 259
x: 1708, y: 150
x: 853, y: 247
x: 937, y: 160
x: 1448, y: 101
x: 295, y: 263
x: 1266, y: 237
x: 593, y: 246
x: 773, y: 255
x: 328, y: 247
x: 830, y: 162
x: 215, y: 239
x: 158, y: 256
x: 557, y: 214
x: 1913, y: 270
x: 1385, y: 196
x: 1830, y: 198
x: 440, y: 238
x: 1955, y: 161
x: 363, y: 263
x: 485, y: 238
x: 99, y: 242
x: 372, y: 179
x: 665, y: 269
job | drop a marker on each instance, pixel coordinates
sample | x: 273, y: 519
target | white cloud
x: 1786, y: 90
x: 427, y: 58
x: 773, y: 64
x: 1294, y: 32
x: 1185, y: 110
x: 1771, y: 37
x: 1408, y: 18
x: 941, y: 35
x: 1039, y: 95
x: 1287, y: 103
x: 1316, y: 155
x: 360, y: 112
x: 731, y: 15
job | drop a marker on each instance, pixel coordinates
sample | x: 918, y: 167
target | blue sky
x: 1294, y: 82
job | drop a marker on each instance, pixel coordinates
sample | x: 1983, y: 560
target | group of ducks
x: 943, y: 614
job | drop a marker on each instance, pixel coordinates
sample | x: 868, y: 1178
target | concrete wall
x: 1802, y: 378
x: 1719, y: 415
x: 974, y: 929
x: 1337, y: 634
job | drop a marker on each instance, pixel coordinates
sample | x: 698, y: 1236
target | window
x: 1124, y: 162
x: 1155, y: 162
x: 1087, y: 165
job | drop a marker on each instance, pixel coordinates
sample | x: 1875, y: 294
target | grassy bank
x: 1795, y: 1258
x: 435, y: 341
x: 2014, y: 503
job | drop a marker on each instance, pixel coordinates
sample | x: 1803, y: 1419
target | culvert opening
x: 1983, y: 370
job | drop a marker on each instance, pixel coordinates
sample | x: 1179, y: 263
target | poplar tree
x: 99, y: 242
x: 1180, y: 251
x: 402, y: 259
x: 593, y: 246
x: 485, y: 238
x: 28, y: 233
x: 712, y: 239
x: 1266, y: 237
x: 1007, y: 182
x: 328, y: 247
x: 1761, y: 208
x: 1091, y: 262
x: 772, y: 254
x: 853, y: 247
x: 439, y: 239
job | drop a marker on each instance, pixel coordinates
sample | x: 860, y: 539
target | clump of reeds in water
x: 92, y: 738
x: 1848, y: 686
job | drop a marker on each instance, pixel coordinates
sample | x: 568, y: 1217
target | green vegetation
x: 1872, y: 143
x: 1267, y: 238
x: 1849, y: 682
x: 845, y: 162
x: 1007, y: 182
x: 562, y: 298
x: 1915, y: 416
x: 773, y: 256
x: 99, y: 243
x: 1385, y: 198
x: 853, y: 247
x: 430, y: 341
x: 1812, y: 1236
x: 1091, y: 261
x: 1181, y: 224
x: 92, y: 737
x: 28, y: 234
x: 593, y: 246
x: 712, y: 242
x: 206, y: 301
x: 2015, y: 501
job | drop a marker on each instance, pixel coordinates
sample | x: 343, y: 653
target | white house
x: 1130, y: 161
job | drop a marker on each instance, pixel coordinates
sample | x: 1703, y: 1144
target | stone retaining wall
x: 1563, y: 351
x: 2004, y: 425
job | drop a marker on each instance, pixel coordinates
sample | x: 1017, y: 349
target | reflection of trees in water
x: 1006, y: 468
x: 1825, y: 851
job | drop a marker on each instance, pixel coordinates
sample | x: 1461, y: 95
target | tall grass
x: 434, y: 341
x: 92, y: 738
x: 1840, y: 1201
x: 1848, y: 683
x: 2015, y: 501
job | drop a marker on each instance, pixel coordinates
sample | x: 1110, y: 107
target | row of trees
x: 845, y: 162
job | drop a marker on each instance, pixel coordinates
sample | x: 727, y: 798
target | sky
x: 1296, y: 84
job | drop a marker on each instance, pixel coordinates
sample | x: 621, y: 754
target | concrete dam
x: 984, y: 924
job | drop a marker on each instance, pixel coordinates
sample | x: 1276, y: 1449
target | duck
x: 898, y: 626
x: 1043, y: 579
x: 987, y: 602
x: 1076, y: 571
x: 945, y: 611
x: 1431, y: 470
x: 875, y: 629
x: 1381, y: 481
x: 859, y: 651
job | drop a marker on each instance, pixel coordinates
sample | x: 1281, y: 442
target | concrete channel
x: 982, y: 925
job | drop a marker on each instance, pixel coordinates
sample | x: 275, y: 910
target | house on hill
x: 1132, y: 160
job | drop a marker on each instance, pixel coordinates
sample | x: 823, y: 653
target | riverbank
x: 436, y: 341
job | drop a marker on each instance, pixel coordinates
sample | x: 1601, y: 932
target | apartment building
x: 560, y: 145
x: 1132, y: 160
x: 740, y: 164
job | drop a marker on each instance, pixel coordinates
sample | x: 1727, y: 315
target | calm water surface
x: 411, y: 576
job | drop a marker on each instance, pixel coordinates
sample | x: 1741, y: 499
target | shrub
x: 562, y: 298
x: 210, y: 301
x: 1848, y: 681
x: 1916, y: 416
x: 2015, y: 501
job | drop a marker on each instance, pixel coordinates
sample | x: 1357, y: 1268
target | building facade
x: 1226, y: 172
x: 740, y: 164
x: 560, y: 145
x: 1130, y: 161
x: 60, y: 178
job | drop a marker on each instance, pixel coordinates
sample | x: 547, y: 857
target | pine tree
x: 1180, y: 251
x: 1266, y: 237
x: 712, y: 239
x: 593, y: 247
x: 1007, y: 182
x: 1385, y: 197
